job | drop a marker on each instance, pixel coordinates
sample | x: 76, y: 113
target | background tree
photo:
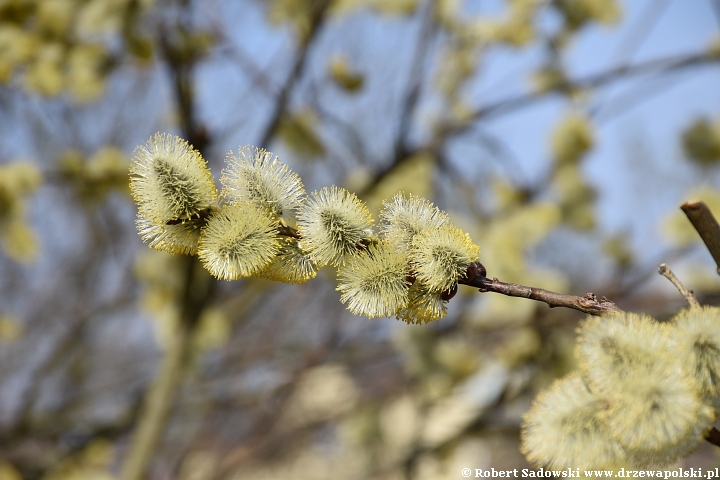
x: 559, y: 134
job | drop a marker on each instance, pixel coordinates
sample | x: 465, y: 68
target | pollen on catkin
x: 238, y: 241
x: 699, y: 329
x: 375, y: 283
x: 423, y: 306
x: 563, y: 430
x: 290, y: 265
x: 403, y: 218
x: 439, y: 256
x: 170, y: 181
x: 334, y: 223
x: 253, y: 175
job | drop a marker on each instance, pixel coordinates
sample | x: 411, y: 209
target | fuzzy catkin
x: 238, y: 241
x: 170, y: 181
x: 334, y: 223
x: 375, y: 283
x: 253, y: 174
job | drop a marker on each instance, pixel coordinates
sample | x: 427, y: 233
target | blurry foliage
x: 577, y: 13
x: 701, y: 142
x: 10, y: 329
x: 93, y: 178
x: 17, y: 181
x: 342, y: 73
x: 68, y: 45
x: 571, y: 139
x: 298, y: 133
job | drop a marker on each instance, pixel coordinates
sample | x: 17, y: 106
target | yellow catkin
x: 253, y: 174
x: 403, y: 218
x: 334, y: 223
x: 290, y: 265
x: 699, y: 329
x: 423, y: 305
x: 170, y: 181
x: 638, y: 366
x: 239, y: 241
x: 375, y: 284
x: 439, y: 256
x: 563, y: 429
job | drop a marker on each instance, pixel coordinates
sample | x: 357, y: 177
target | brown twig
x: 713, y: 437
x: 286, y: 231
x: 665, y: 271
x: 587, y: 304
x: 702, y: 219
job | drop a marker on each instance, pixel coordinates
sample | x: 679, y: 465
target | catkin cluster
x: 646, y: 394
x: 263, y: 224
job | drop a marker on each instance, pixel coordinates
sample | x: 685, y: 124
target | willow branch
x: 587, y: 304
x: 665, y: 271
x: 702, y: 219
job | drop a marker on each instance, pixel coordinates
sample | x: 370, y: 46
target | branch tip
x: 665, y: 271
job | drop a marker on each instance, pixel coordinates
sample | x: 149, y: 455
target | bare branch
x: 702, y: 219
x: 587, y: 304
x: 665, y: 271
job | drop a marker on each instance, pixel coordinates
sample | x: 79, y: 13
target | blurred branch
x: 702, y: 219
x: 715, y: 4
x: 665, y: 271
x: 354, y: 140
x: 159, y: 399
x: 509, y: 105
x: 415, y: 78
x: 646, y: 22
x: 156, y: 410
x: 660, y: 65
x: 318, y: 16
x: 196, y: 288
x: 622, y: 102
x: 587, y: 304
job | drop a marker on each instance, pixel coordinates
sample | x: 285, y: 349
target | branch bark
x: 588, y: 304
x: 665, y: 271
x: 702, y: 219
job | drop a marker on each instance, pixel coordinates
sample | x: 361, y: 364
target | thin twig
x: 587, y: 304
x: 702, y: 219
x: 665, y: 271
